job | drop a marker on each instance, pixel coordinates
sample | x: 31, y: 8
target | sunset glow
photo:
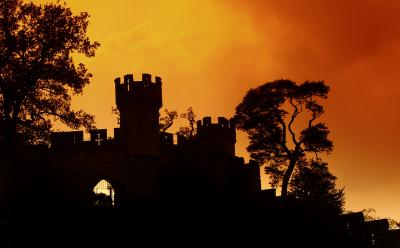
x: 210, y: 53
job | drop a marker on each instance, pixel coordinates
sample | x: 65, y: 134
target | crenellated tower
x: 139, y: 103
x: 220, y: 136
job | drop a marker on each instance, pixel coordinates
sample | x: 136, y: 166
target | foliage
x: 188, y: 131
x: 167, y: 119
x: 312, y: 181
x: 370, y: 214
x: 116, y: 112
x: 268, y: 114
x: 37, y: 69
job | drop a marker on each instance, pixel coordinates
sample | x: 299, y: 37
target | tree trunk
x: 286, y: 177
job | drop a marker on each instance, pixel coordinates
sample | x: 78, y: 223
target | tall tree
x: 37, y: 69
x: 268, y: 114
x: 313, y: 182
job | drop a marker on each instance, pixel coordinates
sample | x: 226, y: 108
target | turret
x: 220, y: 136
x: 139, y: 103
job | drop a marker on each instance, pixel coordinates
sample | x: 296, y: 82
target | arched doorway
x: 104, y: 194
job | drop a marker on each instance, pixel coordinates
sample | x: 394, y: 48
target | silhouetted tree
x: 268, y: 112
x: 167, y: 119
x: 116, y: 112
x: 188, y: 131
x: 370, y: 214
x: 37, y: 69
x: 313, y: 182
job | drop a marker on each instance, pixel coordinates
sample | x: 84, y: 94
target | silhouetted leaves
x: 116, y: 112
x: 188, y: 131
x: 268, y: 114
x: 370, y: 215
x: 315, y: 138
x: 38, y: 73
x: 313, y: 182
x: 167, y: 119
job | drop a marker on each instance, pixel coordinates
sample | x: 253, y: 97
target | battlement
x: 222, y: 123
x: 70, y: 139
x: 143, y: 90
x: 220, y: 136
x: 66, y: 139
x: 139, y: 103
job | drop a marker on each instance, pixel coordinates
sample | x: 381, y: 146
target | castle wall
x: 219, y: 137
x: 139, y: 162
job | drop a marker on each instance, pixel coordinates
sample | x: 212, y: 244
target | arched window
x: 104, y: 194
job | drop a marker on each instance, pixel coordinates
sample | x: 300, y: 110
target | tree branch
x: 310, y: 122
x: 292, y: 118
x: 283, y: 141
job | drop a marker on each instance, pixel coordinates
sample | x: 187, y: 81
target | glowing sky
x: 209, y: 53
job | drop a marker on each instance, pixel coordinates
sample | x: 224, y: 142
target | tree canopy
x: 268, y: 114
x: 313, y: 182
x: 37, y: 70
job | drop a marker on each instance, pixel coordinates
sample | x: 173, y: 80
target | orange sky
x: 209, y: 53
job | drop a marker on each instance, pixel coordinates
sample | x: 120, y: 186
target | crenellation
x: 146, y: 78
x: 232, y: 123
x: 199, y: 124
x: 138, y: 103
x: 128, y: 82
x: 117, y: 81
x: 158, y: 80
x: 220, y: 136
x: 128, y: 78
x: 207, y: 121
x: 145, y: 90
x: 223, y: 122
x: 66, y: 139
x: 98, y: 136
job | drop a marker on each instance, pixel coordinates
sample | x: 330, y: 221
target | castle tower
x: 139, y: 103
x: 220, y: 136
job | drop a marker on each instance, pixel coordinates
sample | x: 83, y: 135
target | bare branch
x: 283, y: 141
x: 293, y: 117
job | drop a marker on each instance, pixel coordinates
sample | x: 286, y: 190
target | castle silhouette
x: 194, y: 193
x: 140, y: 162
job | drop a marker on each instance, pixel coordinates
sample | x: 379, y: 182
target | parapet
x: 220, y: 136
x: 144, y: 89
x: 98, y: 136
x: 66, y: 139
x: 222, y: 123
x: 377, y: 226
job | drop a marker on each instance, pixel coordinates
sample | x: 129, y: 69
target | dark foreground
x: 180, y: 224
